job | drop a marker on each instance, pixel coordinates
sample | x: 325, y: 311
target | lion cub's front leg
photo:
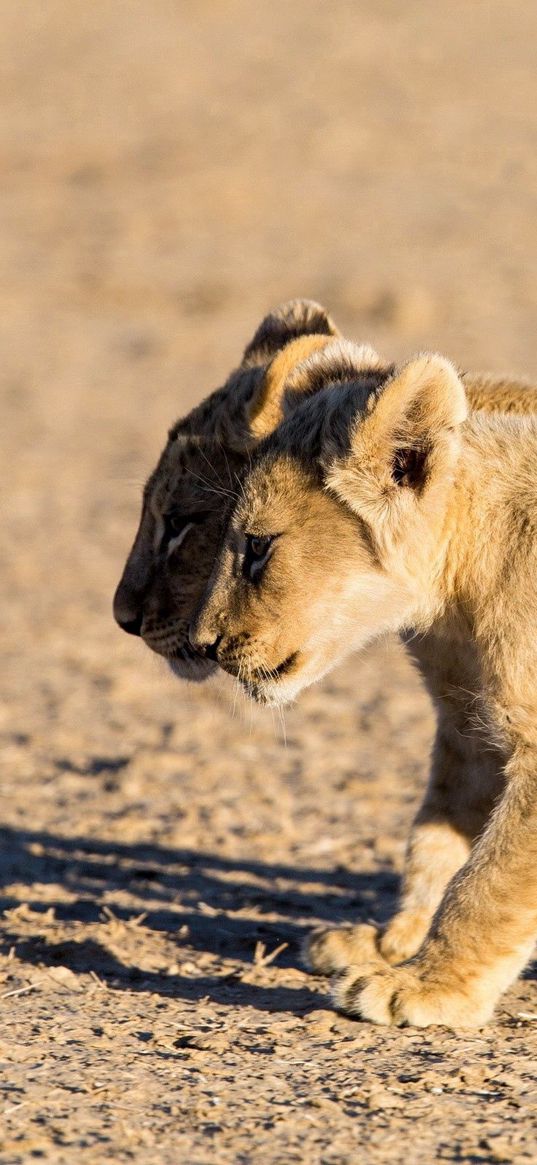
x: 481, y: 937
x: 463, y: 786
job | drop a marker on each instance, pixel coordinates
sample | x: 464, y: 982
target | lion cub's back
x: 500, y: 395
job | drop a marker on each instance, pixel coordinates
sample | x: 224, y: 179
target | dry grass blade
x: 20, y: 990
x: 264, y: 960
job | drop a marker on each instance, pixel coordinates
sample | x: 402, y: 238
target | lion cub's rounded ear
x: 405, y: 440
x: 421, y: 406
x: 303, y: 368
x: 339, y: 362
x: 266, y: 408
x: 296, y: 317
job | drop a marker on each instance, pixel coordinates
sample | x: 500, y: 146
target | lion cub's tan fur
x: 391, y: 505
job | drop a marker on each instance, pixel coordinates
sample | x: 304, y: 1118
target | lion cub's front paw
x: 399, y: 996
x: 331, y: 949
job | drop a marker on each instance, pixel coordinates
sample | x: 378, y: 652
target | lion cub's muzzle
x: 237, y: 657
x: 166, y: 636
x: 227, y: 655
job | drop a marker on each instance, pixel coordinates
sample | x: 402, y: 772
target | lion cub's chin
x: 273, y: 693
x: 196, y: 672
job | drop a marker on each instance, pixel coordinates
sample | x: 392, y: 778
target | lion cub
x: 380, y: 503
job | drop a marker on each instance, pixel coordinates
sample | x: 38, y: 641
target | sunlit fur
x: 197, y: 474
x: 394, y: 505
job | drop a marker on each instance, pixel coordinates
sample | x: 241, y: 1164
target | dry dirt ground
x: 169, y: 172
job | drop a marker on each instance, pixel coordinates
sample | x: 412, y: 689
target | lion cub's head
x: 190, y: 492
x: 342, y: 521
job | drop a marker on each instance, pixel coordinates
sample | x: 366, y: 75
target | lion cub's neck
x: 492, y: 509
x: 481, y: 631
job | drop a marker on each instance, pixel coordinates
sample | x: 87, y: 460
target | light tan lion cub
x: 188, y: 494
x: 381, y: 504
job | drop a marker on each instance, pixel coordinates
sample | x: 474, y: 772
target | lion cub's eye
x: 176, y: 528
x: 257, y: 552
x: 258, y: 546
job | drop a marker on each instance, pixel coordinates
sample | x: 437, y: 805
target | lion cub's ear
x: 296, y: 317
x: 303, y: 368
x: 404, y: 442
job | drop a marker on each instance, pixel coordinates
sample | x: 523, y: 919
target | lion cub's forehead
x: 191, y: 469
x: 274, y: 492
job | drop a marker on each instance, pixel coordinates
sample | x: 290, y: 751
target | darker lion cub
x: 380, y: 503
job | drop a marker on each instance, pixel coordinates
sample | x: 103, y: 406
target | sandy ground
x: 169, y: 172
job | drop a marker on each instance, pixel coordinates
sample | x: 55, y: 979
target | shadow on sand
x: 169, y: 886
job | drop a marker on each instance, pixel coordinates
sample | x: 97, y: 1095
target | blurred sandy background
x: 169, y: 172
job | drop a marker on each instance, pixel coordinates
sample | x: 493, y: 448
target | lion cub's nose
x: 131, y: 626
x: 127, y: 613
x: 204, y: 644
x: 210, y: 650
x: 204, y: 636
